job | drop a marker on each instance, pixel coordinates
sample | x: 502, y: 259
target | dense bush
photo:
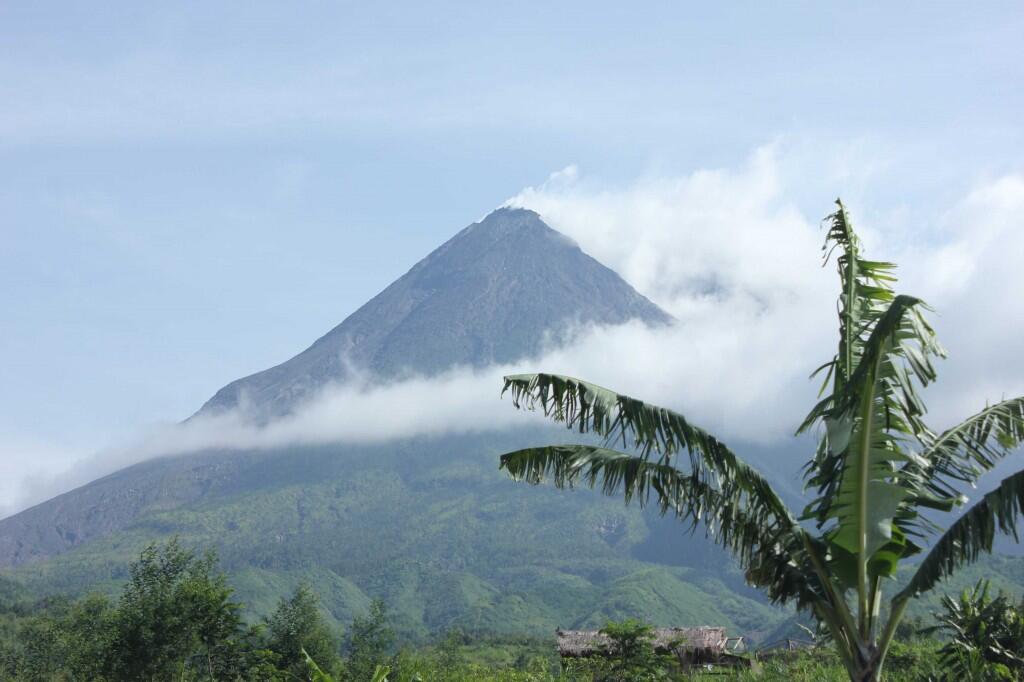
x: 986, y: 635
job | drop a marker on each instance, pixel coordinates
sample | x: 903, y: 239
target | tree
x: 175, y: 614
x: 876, y: 467
x: 297, y: 629
x: 39, y: 656
x: 631, y: 654
x: 57, y: 638
x: 448, y: 654
x: 87, y: 632
x: 370, y: 641
x: 175, y: 621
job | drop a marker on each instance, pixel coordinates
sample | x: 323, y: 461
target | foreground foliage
x: 296, y: 631
x: 630, y: 655
x: 96, y: 638
x: 176, y: 619
x: 877, y: 467
x: 909, y: 662
x: 986, y: 635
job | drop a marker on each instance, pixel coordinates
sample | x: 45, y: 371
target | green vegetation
x: 440, y: 535
x: 177, y: 619
x: 297, y: 631
x: 877, y: 471
x: 630, y: 655
x: 909, y: 661
x: 371, y: 641
x: 174, y: 620
x: 986, y: 635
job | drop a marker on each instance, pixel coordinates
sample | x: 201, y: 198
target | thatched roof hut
x: 696, y: 643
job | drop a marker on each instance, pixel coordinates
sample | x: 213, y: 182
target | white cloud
x: 739, y: 266
x: 703, y: 240
x: 973, y: 280
x: 736, y: 234
x: 697, y: 372
x: 27, y: 463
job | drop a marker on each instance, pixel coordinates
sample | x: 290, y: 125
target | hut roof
x: 584, y: 643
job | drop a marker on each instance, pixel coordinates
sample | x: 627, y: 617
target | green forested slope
x: 433, y: 528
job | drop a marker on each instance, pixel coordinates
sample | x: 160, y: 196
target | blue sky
x: 193, y: 192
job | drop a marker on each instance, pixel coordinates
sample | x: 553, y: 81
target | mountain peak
x: 512, y: 217
x: 508, y: 220
x: 502, y: 228
x: 488, y: 295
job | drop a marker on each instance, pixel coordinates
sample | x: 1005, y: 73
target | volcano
x: 428, y: 524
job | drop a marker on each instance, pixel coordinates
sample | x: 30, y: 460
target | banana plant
x: 876, y: 468
x: 986, y: 635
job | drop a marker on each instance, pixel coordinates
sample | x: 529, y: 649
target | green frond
x: 873, y: 410
x: 858, y: 472
x: 315, y: 672
x: 764, y: 543
x: 970, y: 535
x: 865, y: 290
x: 902, y: 344
x: 619, y: 418
x: 973, y: 447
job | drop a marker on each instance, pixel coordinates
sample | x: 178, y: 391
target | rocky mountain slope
x: 488, y: 295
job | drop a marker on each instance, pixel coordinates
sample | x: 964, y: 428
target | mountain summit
x: 487, y: 295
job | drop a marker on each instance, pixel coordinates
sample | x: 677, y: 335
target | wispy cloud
x: 28, y: 465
